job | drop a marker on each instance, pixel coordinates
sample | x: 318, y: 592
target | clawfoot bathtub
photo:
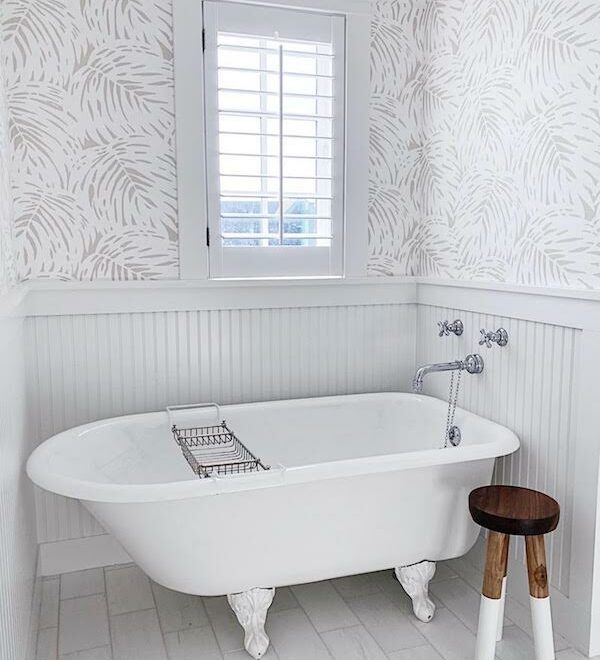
x: 357, y: 483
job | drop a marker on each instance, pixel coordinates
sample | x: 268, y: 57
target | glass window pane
x: 251, y: 165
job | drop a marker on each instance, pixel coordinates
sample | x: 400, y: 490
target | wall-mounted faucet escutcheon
x: 456, y: 327
x: 488, y: 338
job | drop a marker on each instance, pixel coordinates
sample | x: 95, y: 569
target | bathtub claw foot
x: 250, y: 608
x: 415, y: 580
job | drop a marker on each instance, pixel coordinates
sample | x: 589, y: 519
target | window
x: 274, y: 152
x: 274, y: 97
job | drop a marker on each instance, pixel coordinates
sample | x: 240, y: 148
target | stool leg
x: 541, y: 615
x: 500, y: 630
x: 491, y: 595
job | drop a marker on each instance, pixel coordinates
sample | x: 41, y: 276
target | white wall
x: 18, y: 543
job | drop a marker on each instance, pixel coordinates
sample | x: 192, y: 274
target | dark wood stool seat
x: 514, y: 510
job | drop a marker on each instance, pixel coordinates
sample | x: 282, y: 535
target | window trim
x: 191, y: 143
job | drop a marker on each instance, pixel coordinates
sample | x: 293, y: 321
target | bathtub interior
x: 140, y: 449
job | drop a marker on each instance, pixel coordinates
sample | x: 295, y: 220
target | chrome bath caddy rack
x: 215, y: 450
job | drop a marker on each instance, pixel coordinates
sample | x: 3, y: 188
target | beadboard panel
x: 18, y: 546
x: 528, y: 386
x: 88, y: 367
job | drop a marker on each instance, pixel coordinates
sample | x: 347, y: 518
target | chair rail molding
x: 57, y: 299
x: 575, y: 308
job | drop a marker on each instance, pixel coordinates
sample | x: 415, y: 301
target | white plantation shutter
x: 274, y: 102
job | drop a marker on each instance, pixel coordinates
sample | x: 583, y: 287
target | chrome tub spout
x: 472, y: 364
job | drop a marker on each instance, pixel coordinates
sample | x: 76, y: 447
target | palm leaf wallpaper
x: 485, y: 140
x: 487, y: 137
x: 8, y: 272
x: 91, y: 126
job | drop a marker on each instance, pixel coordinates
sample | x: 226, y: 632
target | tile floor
x: 117, y: 613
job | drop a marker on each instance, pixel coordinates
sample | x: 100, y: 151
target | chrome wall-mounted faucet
x: 488, y: 338
x: 456, y: 327
x: 472, y: 364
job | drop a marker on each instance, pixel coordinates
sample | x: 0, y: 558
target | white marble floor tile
x: 102, y: 653
x: 47, y: 644
x: 569, y: 654
x: 137, y: 636
x: 178, y: 611
x: 49, y: 603
x: 450, y: 637
x: 353, y: 643
x: 467, y: 572
x: 284, y: 600
x: 83, y: 624
x: 128, y: 590
x: 521, y: 616
x: 418, y: 653
x: 294, y: 637
x: 242, y: 655
x: 325, y: 607
x: 443, y: 571
x: 390, y: 627
x: 515, y: 645
x: 459, y: 597
x: 82, y: 583
x: 116, y: 567
x: 395, y: 592
x: 225, y: 624
x: 363, y: 617
x: 193, y: 644
x: 358, y: 585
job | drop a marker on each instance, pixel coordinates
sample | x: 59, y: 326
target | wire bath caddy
x: 213, y: 450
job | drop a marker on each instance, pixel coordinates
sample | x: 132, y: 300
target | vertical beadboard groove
x: 528, y: 386
x: 83, y: 368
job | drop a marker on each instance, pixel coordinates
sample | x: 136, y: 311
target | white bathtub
x: 358, y: 483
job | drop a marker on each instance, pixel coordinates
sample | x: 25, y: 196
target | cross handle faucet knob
x: 485, y: 338
x: 456, y: 327
x: 499, y: 337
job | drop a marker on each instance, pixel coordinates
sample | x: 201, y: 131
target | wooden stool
x: 506, y: 511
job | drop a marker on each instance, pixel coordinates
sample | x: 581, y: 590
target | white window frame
x: 191, y: 141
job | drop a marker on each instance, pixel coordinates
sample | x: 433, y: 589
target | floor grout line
x: 110, y: 636
x: 58, y: 618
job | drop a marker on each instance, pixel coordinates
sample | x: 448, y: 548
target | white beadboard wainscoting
x: 18, y: 544
x: 88, y: 367
x: 527, y: 386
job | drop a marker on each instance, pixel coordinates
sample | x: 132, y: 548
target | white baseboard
x: 80, y: 554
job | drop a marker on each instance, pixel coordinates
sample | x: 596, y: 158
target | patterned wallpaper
x: 8, y: 275
x: 90, y: 94
x: 484, y: 139
x: 396, y: 132
x: 499, y: 140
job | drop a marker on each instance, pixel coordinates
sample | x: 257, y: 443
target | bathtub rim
x: 94, y: 491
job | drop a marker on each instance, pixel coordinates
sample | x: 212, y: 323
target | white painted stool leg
x: 492, y: 602
x: 500, y: 631
x: 487, y: 628
x: 543, y: 637
x: 250, y: 608
x: 415, y: 581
